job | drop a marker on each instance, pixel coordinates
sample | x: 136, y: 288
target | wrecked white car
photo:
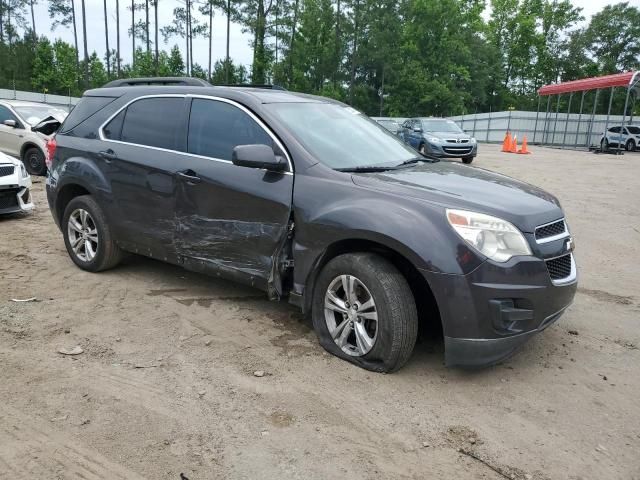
x: 15, y: 186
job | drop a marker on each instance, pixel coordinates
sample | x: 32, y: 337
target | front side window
x: 152, y: 122
x: 339, y: 136
x: 5, y: 114
x: 614, y: 129
x: 216, y: 128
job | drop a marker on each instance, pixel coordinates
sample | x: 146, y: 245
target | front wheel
x: 88, y: 236
x: 363, y: 311
x: 467, y: 160
x: 422, y: 149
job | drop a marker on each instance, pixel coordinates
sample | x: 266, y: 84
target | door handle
x: 108, y: 155
x: 189, y: 176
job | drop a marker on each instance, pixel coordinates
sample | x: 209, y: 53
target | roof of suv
x: 254, y: 94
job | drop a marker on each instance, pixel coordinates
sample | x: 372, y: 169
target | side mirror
x: 257, y: 156
x: 10, y: 123
x: 417, y: 130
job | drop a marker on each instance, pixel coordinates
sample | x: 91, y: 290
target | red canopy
x: 615, y: 80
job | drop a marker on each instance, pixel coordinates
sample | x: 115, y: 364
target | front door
x: 230, y: 220
x: 10, y: 137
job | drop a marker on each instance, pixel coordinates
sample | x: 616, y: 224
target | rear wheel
x: 88, y: 237
x: 604, y: 144
x: 630, y: 145
x: 467, y: 160
x: 33, y: 160
x: 364, y: 312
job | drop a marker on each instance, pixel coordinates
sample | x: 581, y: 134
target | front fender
x: 413, y: 228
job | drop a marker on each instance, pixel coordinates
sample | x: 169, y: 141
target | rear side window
x: 113, y: 129
x: 86, y: 107
x: 216, y: 128
x: 151, y: 122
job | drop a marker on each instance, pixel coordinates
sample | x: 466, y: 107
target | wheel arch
x: 430, y: 321
x: 67, y: 193
x: 28, y: 145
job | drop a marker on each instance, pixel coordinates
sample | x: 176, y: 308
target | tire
x: 391, y: 343
x: 604, y: 145
x: 422, y: 149
x: 33, y: 160
x: 630, y: 146
x: 467, y: 160
x: 103, y: 253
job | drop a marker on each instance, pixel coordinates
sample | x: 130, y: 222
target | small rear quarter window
x: 86, y: 107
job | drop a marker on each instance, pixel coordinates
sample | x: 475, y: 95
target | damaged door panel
x: 230, y: 220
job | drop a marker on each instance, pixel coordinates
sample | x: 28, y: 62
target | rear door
x: 230, y: 220
x: 140, y: 155
x: 10, y: 137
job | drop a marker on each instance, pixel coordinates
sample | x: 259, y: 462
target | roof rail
x: 131, y: 82
x: 250, y: 85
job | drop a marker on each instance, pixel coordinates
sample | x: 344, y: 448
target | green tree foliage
x: 406, y: 57
x: 613, y: 36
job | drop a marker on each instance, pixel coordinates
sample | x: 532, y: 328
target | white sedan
x: 15, y: 186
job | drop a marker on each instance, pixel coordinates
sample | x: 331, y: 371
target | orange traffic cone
x: 524, y: 149
x: 514, y: 145
x: 506, y: 143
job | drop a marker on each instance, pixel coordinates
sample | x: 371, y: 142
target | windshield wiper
x: 366, y: 168
x: 413, y: 160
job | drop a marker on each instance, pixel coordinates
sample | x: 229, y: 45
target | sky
x: 240, y: 50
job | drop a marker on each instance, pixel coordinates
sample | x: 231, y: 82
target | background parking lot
x: 166, y: 384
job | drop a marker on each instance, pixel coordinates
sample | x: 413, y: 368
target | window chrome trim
x: 205, y: 97
x: 559, y: 236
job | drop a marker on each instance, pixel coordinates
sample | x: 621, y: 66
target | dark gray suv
x: 309, y: 200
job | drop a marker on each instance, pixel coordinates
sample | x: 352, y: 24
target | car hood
x: 5, y: 159
x: 452, y: 185
x: 47, y: 126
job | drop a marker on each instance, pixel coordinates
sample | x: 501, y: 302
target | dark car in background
x: 439, y: 137
x: 310, y: 201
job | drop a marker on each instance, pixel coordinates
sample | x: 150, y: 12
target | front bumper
x: 487, y: 314
x: 14, y: 200
x: 452, y: 150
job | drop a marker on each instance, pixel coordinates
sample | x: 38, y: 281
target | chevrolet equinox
x: 309, y: 200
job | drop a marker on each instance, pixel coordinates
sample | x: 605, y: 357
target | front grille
x: 560, y: 267
x: 457, y: 150
x: 551, y: 230
x: 8, y: 199
x: 455, y: 140
x: 6, y: 170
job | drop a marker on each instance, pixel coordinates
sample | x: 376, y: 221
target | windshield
x: 634, y: 130
x: 388, y: 124
x: 448, y: 126
x: 34, y: 114
x: 339, y: 136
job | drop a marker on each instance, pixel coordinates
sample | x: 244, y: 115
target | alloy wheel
x: 35, y: 162
x: 83, y: 235
x: 351, y: 315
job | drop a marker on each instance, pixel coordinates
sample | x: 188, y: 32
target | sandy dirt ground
x: 166, y: 383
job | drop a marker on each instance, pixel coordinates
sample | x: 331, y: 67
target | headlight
x: 491, y: 236
x: 473, y: 140
x: 433, y: 140
x: 23, y: 171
